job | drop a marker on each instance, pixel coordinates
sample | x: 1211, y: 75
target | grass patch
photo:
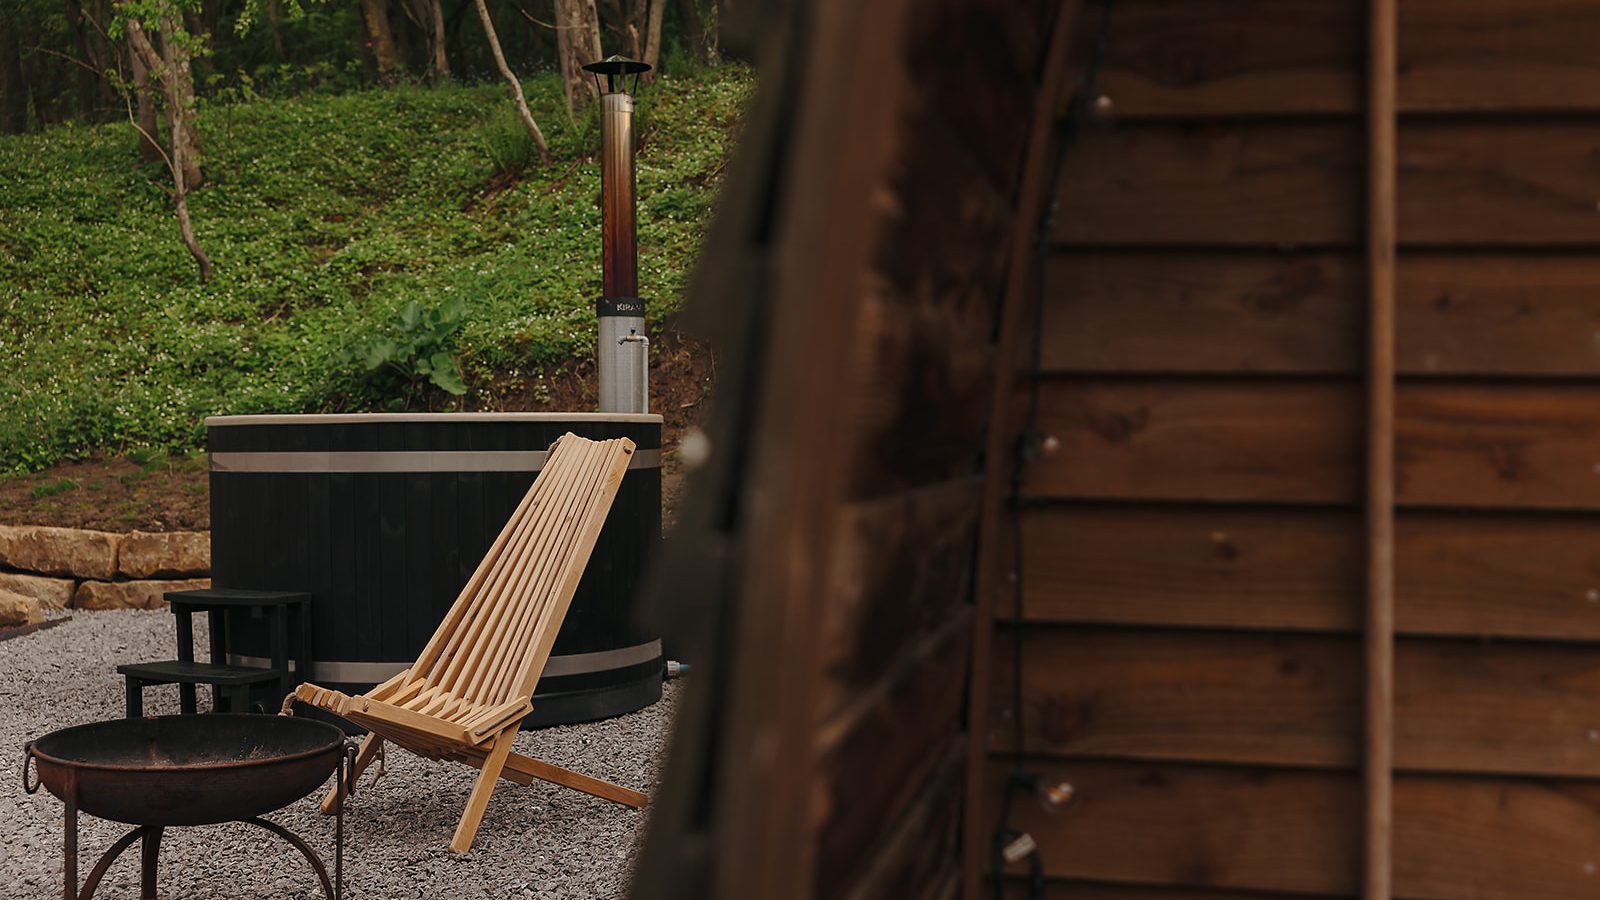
x: 326, y: 217
x: 52, y: 488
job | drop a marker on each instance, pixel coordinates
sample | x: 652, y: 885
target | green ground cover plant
x: 333, y: 221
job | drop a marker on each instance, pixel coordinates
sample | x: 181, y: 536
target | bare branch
x: 540, y: 22
x: 66, y: 56
x: 133, y: 120
x: 513, y: 82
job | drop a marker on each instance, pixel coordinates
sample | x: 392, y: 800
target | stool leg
x: 238, y: 698
x: 133, y: 690
x: 186, y: 700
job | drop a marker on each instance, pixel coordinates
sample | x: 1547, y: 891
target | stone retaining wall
x: 58, y: 568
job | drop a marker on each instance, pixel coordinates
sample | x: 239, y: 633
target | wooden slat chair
x: 466, y: 695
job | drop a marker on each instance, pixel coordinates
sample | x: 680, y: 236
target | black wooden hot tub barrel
x: 383, y: 517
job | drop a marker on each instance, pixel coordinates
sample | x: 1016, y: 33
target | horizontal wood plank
x: 1238, y: 828
x: 920, y: 853
x: 1301, y: 312
x: 1229, y: 58
x: 1217, y: 697
x: 1501, y: 446
x: 1497, y: 315
x: 874, y: 758
x: 1504, y: 183
x: 1508, y: 708
x: 1192, y: 566
x: 1200, y: 58
x: 1193, y: 826
x: 1239, y: 184
x: 902, y: 568
x: 1500, y: 575
x: 1188, y: 311
x: 1491, y: 55
x: 1487, y: 446
x: 975, y: 64
x: 1280, y: 441
x: 917, y: 405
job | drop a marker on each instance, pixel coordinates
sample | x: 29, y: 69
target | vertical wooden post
x: 979, y: 815
x: 1379, y: 758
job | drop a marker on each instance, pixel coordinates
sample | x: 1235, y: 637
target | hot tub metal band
x: 396, y: 461
x: 374, y: 672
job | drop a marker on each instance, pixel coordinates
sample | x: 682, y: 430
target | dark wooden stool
x: 230, y: 685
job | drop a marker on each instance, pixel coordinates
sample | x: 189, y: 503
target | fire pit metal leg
x: 149, y: 851
x: 302, y: 846
x: 69, y: 862
x: 99, y: 871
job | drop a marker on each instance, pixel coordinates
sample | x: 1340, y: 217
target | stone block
x: 131, y: 594
x: 52, y: 593
x: 18, y: 609
x: 173, y: 554
x: 59, y: 551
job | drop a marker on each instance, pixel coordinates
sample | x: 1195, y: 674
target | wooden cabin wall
x: 823, y: 568
x: 1193, y: 556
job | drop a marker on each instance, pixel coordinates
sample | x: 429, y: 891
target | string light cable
x: 1011, y: 845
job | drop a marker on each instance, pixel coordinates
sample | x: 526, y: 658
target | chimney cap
x: 617, y: 65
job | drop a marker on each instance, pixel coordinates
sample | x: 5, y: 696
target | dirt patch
x: 145, y: 491
x: 682, y: 372
x: 157, y: 492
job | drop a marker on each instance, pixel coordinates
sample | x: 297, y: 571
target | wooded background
x: 1193, y: 556
x: 60, y: 60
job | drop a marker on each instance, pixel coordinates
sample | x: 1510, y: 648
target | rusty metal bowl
x: 187, y: 770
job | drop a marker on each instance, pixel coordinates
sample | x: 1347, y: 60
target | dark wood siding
x: 1193, y: 554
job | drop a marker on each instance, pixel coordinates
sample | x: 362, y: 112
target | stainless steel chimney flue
x: 623, y: 356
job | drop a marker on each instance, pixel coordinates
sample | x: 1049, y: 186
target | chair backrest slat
x: 502, y: 625
x: 493, y: 644
x: 499, y: 593
x: 590, y: 478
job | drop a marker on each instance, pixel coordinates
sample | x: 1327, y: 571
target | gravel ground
x: 540, y: 841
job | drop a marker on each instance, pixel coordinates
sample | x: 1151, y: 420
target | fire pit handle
x: 348, y: 775
x: 27, y: 760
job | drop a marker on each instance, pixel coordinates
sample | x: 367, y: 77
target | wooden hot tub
x: 382, y: 518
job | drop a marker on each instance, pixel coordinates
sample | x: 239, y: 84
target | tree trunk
x: 13, y: 86
x: 145, y: 96
x: 101, y: 53
x: 694, y: 34
x: 171, y: 69
x: 41, y: 73
x: 634, y: 14
x: 180, y: 107
x: 431, y: 17
x: 511, y: 80
x: 577, y: 45
x: 652, y: 38
x: 275, y: 25
x: 83, y: 69
x: 375, y: 13
x: 180, y: 104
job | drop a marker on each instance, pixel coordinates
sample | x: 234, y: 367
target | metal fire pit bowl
x: 187, y: 770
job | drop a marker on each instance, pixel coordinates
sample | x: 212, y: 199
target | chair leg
x: 524, y: 769
x: 370, y: 745
x: 479, y: 801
